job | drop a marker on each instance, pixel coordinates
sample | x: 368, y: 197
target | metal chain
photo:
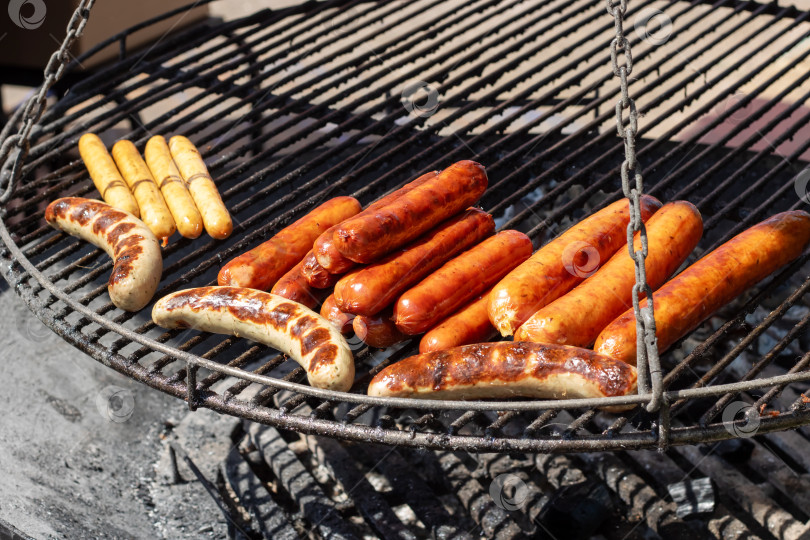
x: 35, y: 105
x: 648, y: 363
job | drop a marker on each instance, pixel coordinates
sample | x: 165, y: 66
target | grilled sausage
x: 368, y: 290
x: 137, y: 263
x: 215, y: 216
x: 186, y: 216
x: 341, y: 321
x: 468, y: 325
x: 293, y: 286
x: 378, y: 331
x: 325, y: 251
x: 560, y: 265
x: 505, y: 370
x: 316, y: 275
x: 369, y: 237
x: 154, y: 212
x: 105, y: 175
x: 577, y: 317
x: 263, y: 265
x: 460, y: 280
x: 287, y: 326
x: 712, y: 282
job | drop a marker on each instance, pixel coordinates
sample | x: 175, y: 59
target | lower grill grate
x: 294, y: 106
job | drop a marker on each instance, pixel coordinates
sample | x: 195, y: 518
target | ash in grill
x: 291, y: 107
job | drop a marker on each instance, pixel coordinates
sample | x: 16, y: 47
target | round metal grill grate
x: 294, y: 106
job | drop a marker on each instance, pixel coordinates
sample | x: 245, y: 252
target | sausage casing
x: 105, y: 174
x: 460, y: 280
x: 215, y: 216
x: 505, y: 370
x: 712, y: 282
x: 378, y: 330
x: 560, y: 265
x: 261, y: 267
x: 294, y: 286
x: 369, y: 290
x: 577, y: 317
x: 186, y: 216
x: 327, y: 253
x: 154, y: 212
x: 342, y: 321
x: 134, y: 248
x: 277, y: 322
x: 371, y: 236
x: 468, y: 325
x: 316, y: 275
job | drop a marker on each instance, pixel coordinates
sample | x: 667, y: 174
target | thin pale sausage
x: 105, y: 174
x: 506, y: 370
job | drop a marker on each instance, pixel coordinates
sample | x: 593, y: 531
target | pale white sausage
x: 273, y: 320
x: 135, y: 250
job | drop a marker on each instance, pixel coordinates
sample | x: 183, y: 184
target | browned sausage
x: 378, y: 331
x: 368, y: 290
x: 342, y: 321
x: 562, y: 264
x: 369, y: 237
x: 277, y: 322
x: 460, y: 280
x: 293, y: 286
x: 325, y: 251
x: 505, y: 370
x: 577, y: 317
x: 712, y: 282
x: 135, y: 250
x: 263, y: 265
x: 316, y: 275
x: 468, y: 325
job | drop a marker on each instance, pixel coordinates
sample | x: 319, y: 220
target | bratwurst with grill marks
x: 134, y: 248
x: 505, y: 370
x: 277, y: 322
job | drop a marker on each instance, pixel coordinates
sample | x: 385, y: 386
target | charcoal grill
x: 292, y: 106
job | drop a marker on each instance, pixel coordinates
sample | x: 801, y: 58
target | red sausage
x: 368, y: 290
x: 460, y: 280
x: 293, y: 286
x: 366, y: 238
x: 712, y: 282
x: 342, y: 321
x: 578, y: 317
x: 316, y: 275
x: 325, y: 251
x: 378, y: 331
x: 466, y: 326
x: 263, y: 265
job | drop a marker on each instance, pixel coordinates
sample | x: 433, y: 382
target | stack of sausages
x: 576, y: 292
x: 171, y: 190
x: 420, y: 259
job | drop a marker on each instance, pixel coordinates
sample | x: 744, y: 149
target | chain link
x: 35, y: 106
x: 648, y: 363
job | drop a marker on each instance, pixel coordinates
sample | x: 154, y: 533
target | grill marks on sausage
x: 489, y: 363
x: 252, y: 307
